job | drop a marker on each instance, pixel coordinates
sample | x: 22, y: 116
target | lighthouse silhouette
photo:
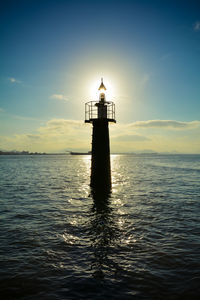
x: 99, y: 114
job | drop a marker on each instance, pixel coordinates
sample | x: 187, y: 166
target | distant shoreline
x: 21, y: 153
x: 89, y: 153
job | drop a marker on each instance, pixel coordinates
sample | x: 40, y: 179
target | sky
x: 53, y: 54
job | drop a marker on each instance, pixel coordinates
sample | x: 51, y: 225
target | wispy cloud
x: 14, y: 80
x: 18, y: 117
x: 196, y: 26
x: 58, y: 134
x: 60, y: 97
x: 169, y: 124
x: 130, y: 138
x: 54, y: 136
x: 33, y: 136
x: 25, y: 118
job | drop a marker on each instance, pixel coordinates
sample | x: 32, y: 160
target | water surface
x: 58, y: 241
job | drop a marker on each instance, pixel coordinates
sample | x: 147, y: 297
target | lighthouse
x: 99, y: 114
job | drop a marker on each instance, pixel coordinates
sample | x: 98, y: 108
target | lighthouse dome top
x: 102, y: 86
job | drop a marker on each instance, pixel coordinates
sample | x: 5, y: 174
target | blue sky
x: 53, y: 52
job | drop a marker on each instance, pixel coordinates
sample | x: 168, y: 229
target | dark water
x: 57, y: 241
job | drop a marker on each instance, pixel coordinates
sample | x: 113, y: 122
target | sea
x: 59, y: 240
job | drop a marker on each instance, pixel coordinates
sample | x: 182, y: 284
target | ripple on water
x: 59, y: 242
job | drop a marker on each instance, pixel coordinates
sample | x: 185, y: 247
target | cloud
x: 33, y: 136
x: 54, y: 136
x: 59, y: 97
x: 61, y: 134
x: 130, y: 138
x: 196, y: 26
x: 14, y: 80
x: 169, y: 124
x: 63, y: 127
x: 24, y: 118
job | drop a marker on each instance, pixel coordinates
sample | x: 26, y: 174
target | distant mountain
x: 20, y: 153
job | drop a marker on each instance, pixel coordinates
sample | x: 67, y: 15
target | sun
x: 94, y: 92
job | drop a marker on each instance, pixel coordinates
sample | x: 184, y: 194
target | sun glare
x: 94, y: 92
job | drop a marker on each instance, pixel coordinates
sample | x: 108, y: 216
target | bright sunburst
x: 94, y: 93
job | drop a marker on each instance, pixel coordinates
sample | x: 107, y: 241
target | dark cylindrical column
x: 100, y: 169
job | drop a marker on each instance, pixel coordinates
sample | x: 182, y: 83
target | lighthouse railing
x: 92, y: 111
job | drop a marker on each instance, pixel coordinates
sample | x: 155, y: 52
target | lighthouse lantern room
x: 101, y: 109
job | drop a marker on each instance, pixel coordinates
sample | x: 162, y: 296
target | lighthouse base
x: 100, y: 167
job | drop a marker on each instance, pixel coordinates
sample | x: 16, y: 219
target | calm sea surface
x: 57, y: 241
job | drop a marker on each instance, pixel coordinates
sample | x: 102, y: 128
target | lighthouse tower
x: 100, y: 113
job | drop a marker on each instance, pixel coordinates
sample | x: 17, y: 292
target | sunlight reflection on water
x: 64, y: 242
